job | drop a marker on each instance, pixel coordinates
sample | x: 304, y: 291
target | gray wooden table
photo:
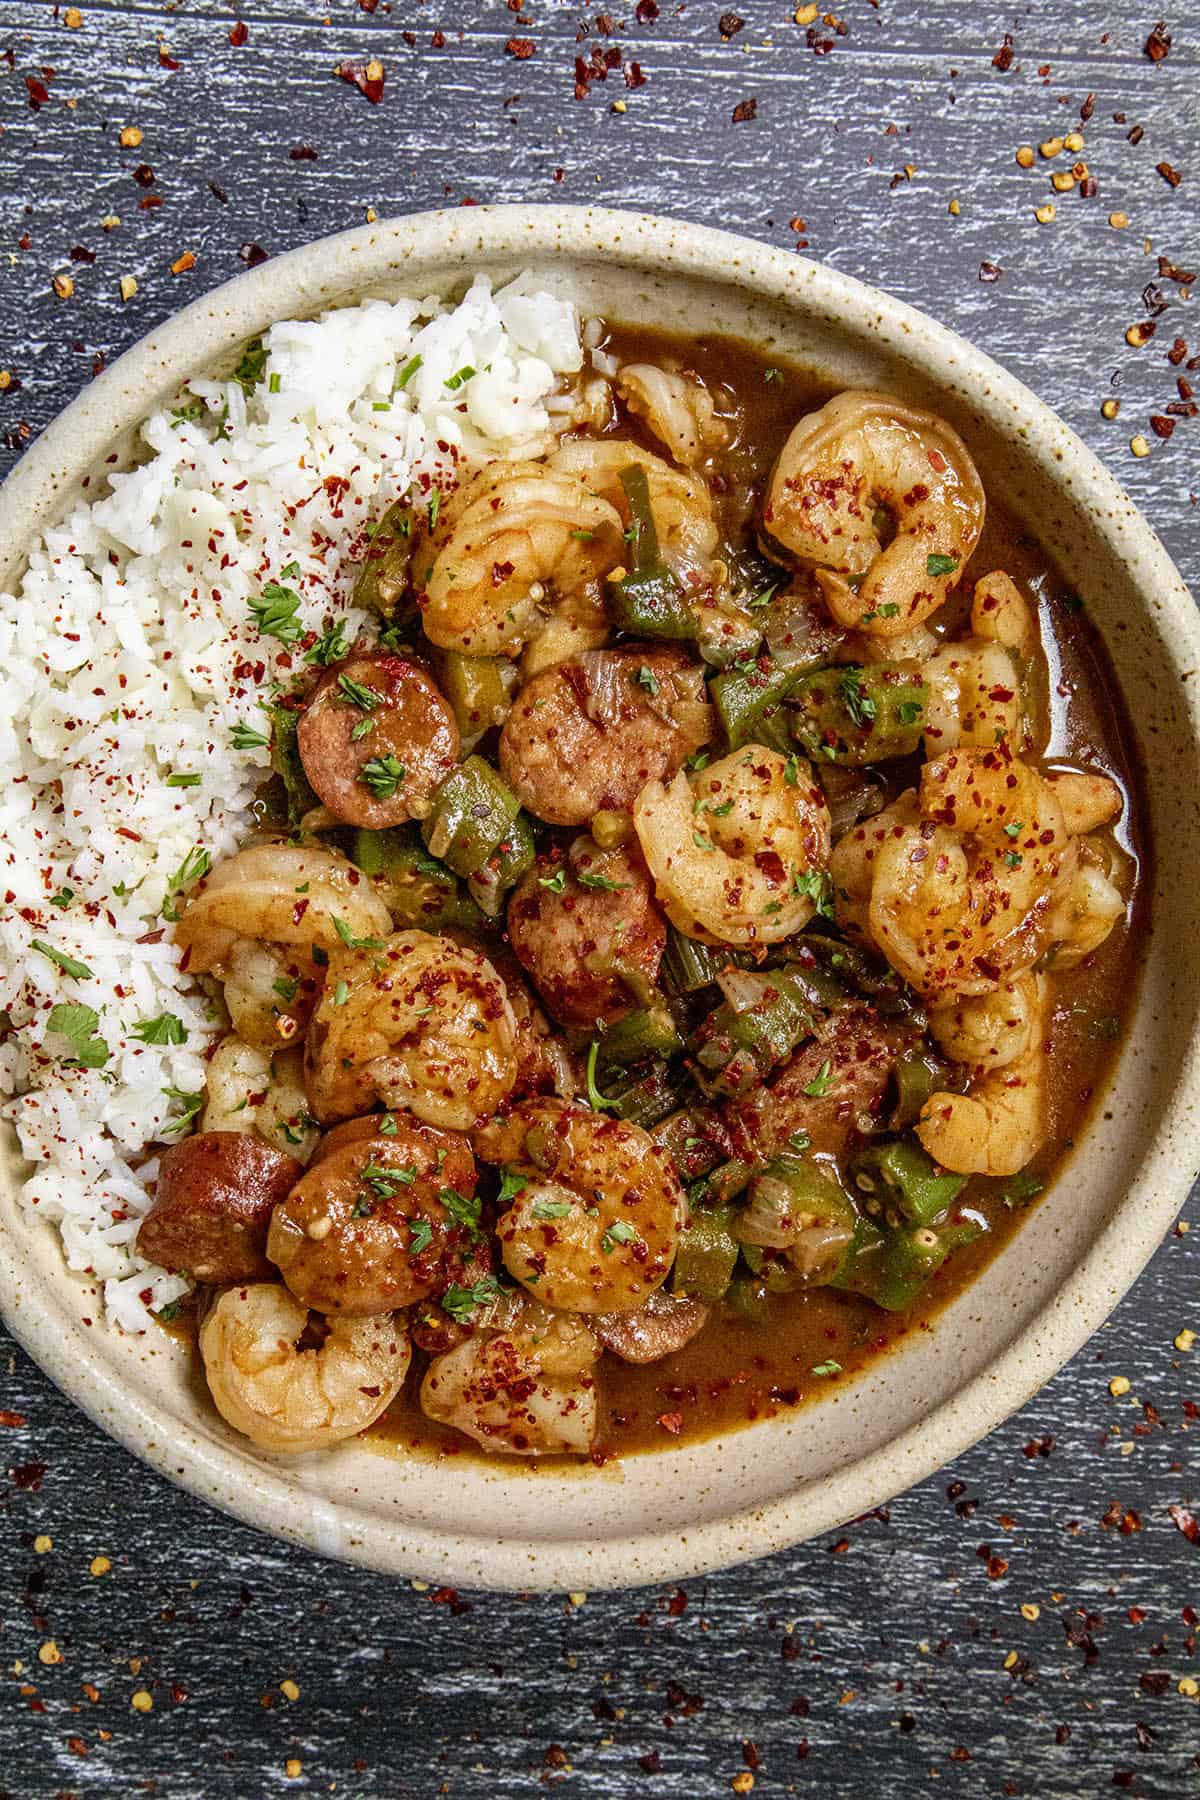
x: 1023, y: 1624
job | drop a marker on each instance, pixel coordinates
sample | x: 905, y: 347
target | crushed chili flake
x: 521, y: 48
x: 990, y: 271
x: 1171, y: 176
x: 368, y: 78
x: 39, y: 93
x: 253, y: 254
x: 672, y: 1422
x: 238, y: 34
x: 1161, y: 426
x: 144, y: 175
x: 744, y: 110
x: 302, y: 153
x: 1004, y: 55
x: 12, y: 1421
x: 1186, y: 1522
x: 166, y: 60
x: 183, y: 263
x: 729, y: 24
x: 1158, y: 44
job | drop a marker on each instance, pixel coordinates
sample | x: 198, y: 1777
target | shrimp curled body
x: 526, y: 1390
x: 416, y: 1022
x: 597, y: 1222
x: 860, y: 454
x: 1001, y: 1121
x: 738, y: 852
x: 285, y: 1398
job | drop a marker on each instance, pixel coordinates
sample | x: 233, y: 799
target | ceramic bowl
x: 698, y: 1506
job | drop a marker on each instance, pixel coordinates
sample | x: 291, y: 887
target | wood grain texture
x: 891, y: 1659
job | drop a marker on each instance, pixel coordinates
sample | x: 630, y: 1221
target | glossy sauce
x: 735, y: 1373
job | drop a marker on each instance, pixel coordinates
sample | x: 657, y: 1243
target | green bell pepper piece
x: 473, y: 810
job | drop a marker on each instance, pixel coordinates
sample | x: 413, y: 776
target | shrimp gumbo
x: 684, y: 931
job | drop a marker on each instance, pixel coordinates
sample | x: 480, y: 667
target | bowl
x: 694, y: 1507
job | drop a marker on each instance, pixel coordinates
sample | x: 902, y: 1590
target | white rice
x: 130, y: 652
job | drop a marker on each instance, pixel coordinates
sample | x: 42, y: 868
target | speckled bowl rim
x: 292, y: 284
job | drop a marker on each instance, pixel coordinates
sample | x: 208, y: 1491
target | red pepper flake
x: 521, y: 48
x: 647, y: 11
x: 1187, y: 1523
x: 1171, y: 176
x: 634, y: 75
x: 144, y: 175
x: 1161, y: 426
x: 253, y: 254
x: 672, y: 1422
x: 166, y: 60
x: 183, y: 263
x: 367, y: 78
x: 745, y: 110
x: 39, y: 93
x: 13, y: 1421
x: 990, y: 271
x: 840, y: 1548
x: 79, y: 255
x: 302, y: 153
x: 28, y: 1476
x: 729, y: 24
x: 1154, y: 1681
x: 1158, y: 44
x: 1004, y: 55
x: 239, y: 33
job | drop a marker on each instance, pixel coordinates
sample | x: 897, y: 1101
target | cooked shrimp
x: 662, y: 1325
x: 681, y: 503
x: 419, y: 1023
x: 247, y: 1089
x: 1001, y: 614
x: 256, y: 920
x: 507, y: 549
x: 596, y: 1224
x: 1086, y: 909
x: 738, y: 851
x: 527, y: 1390
x: 861, y: 455
x: 586, y: 735
x: 1001, y: 1121
x: 1087, y: 801
x: 953, y: 882
x: 378, y: 1223
x: 973, y: 697
x: 990, y: 1031
x: 679, y: 411
x: 286, y: 1398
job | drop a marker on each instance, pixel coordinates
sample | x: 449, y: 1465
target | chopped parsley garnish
x: 351, y: 942
x: 191, y: 1104
x: 511, y: 1184
x: 275, y: 612
x: 936, y: 564
x: 166, y: 1029
x: 791, y: 771
x: 772, y: 374
x: 799, y: 1141
x: 909, y: 711
x: 362, y: 1208
x: 244, y: 737
x: 858, y: 704
x: 406, y: 374
x: 66, y: 963
x: 596, y: 1100
x: 250, y: 369
x: 827, y: 1368
x: 79, y: 1024
x: 1021, y: 1189
x: 1013, y: 859
x: 357, y: 693
x: 821, y: 1084
x: 187, y: 778
x: 816, y: 885
x: 194, y: 866
x: 619, y: 1232
x: 556, y: 882
x: 1014, y: 829
x: 701, y: 842
x: 461, y: 1302
x: 383, y: 775
x: 463, y: 1208
x: 551, y: 1209
x: 384, y: 1182
x: 387, y: 1126
x: 459, y: 378
x: 646, y: 678
x: 588, y: 880
x: 699, y: 759
x: 286, y: 988
x: 341, y: 994
x: 330, y: 647
x: 583, y: 537
x: 420, y: 1235
x: 63, y: 898
x: 434, y: 508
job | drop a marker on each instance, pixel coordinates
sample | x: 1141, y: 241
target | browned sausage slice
x: 663, y: 1325
x: 379, y: 1223
x: 588, y: 734
x: 376, y: 739
x: 589, y: 933
x: 848, y: 1065
x: 212, y: 1205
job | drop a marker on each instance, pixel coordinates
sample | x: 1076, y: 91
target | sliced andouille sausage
x: 376, y: 739
x: 589, y: 932
x: 663, y: 1325
x: 830, y: 1089
x: 586, y: 735
x: 213, y: 1203
x: 379, y: 1223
